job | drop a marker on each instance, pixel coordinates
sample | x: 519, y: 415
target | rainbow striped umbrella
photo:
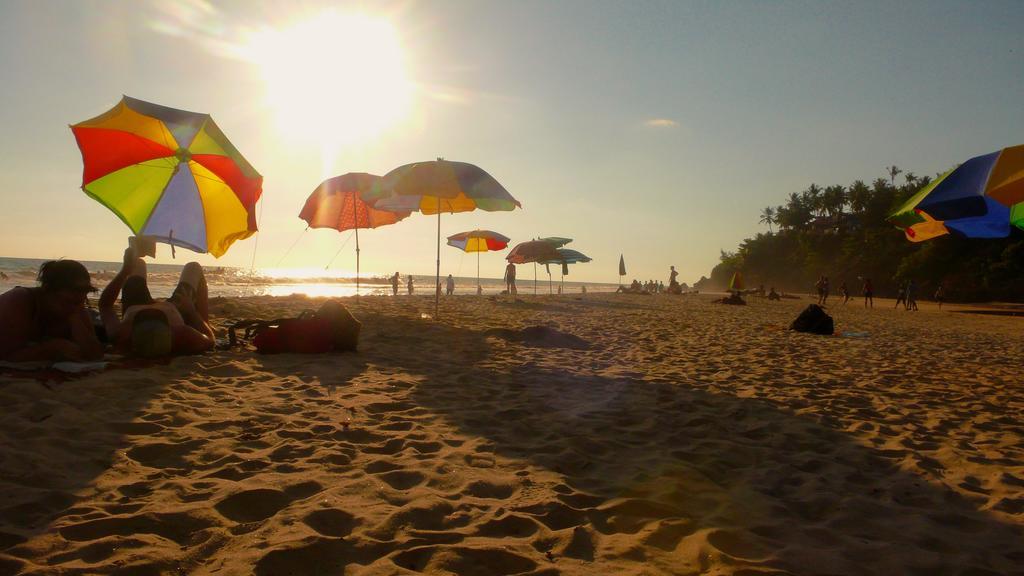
x: 478, y: 241
x: 169, y: 174
x: 981, y: 198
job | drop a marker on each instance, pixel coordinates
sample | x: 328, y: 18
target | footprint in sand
x: 160, y: 455
x: 402, y: 479
x: 464, y: 561
x: 252, y: 505
x: 331, y: 522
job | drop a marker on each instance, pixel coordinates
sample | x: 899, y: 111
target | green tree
x: 768, y: 217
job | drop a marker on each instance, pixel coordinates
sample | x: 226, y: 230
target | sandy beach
x: 640, y: 435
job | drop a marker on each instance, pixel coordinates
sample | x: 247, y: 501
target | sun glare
x: 335, y: 78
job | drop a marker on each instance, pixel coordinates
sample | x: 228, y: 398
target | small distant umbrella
x: 478, y: 241
x: 533, y: 251
x: 336, y: 204
x: 981, y: 198
x: 556, y: 241
x: 440, y: 186
x: 566, y: 257
x: 736, y: 282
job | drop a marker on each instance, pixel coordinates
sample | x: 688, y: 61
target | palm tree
x: 860, y: 196
x: 768, y: 217
x: 911, y: 179
x: 833, y: 199
x: 812, y: 198
x: 893, y: 173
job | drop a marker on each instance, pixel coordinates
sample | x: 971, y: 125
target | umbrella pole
x: 357, y: 262
x: 478, y: 271
x: 534, y: 278
x: 437, y: 279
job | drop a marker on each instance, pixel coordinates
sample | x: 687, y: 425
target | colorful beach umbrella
x: 533, y: 251
x: 478, y: 241
x: 736, y: 282
x: 981, y: 198
x: 567, y: 256
x: 440, y: 186
x: 556, y: 241
x: 169, y: 174
x: 336, y: 203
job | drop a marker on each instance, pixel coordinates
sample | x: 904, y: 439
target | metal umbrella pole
x: 357, y: 260
x: 437, y: 278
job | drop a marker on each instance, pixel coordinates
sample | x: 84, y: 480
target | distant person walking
x: 911, y: 296
x: 449, y: 287
x: 410, y: 284
x: 939, y: 294
x: 845, y: 292
x: 510, y: 278
x: 901, y: 296
x: 394, y: 284
x: 822, y: 286
x: 869, y: 293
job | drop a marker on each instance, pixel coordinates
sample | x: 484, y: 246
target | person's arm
x: 109, y: 296
x: 84, y: 336
x: 188, y: 340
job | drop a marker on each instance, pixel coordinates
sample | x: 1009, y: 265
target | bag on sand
x: 813, y: 320
x: 332, y: 328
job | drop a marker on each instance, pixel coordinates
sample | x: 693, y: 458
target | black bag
x: 813, y: 320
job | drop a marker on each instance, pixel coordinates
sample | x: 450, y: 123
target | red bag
x: 301, y: 335
x: 332, y: 328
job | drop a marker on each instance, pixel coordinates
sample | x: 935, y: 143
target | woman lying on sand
x: 149, y: 328
x: 49, y: 322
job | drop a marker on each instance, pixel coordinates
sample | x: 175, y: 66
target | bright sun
x: 335, y: 79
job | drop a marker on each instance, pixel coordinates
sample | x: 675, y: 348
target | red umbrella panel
x: 337, y: 203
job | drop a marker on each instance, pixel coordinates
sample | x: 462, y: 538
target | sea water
x: 231, y: 282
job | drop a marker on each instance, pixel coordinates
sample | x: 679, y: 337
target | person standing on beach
x: 50, y: 322
x: 510, y: 278
x: 911, y: 297
x: 901, y: 296
x: 869, y: 293
x: 939, y: 294
x: 394, y: 284
x: 845, y: 292
x: 449, y: 287
x: 409, y: 283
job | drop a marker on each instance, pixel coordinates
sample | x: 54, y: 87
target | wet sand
x: 637, y: 435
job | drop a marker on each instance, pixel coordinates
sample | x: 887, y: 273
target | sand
x: 637, y: 435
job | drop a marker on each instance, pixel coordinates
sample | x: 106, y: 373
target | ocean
x: 230, y: 282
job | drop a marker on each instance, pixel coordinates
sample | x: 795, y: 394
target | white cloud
x: 661, y: 123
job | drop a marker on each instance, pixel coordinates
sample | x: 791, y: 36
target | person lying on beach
x: 49, y: 322
x: 149, y: 328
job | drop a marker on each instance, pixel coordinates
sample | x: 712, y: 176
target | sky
x: 656, y: 130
